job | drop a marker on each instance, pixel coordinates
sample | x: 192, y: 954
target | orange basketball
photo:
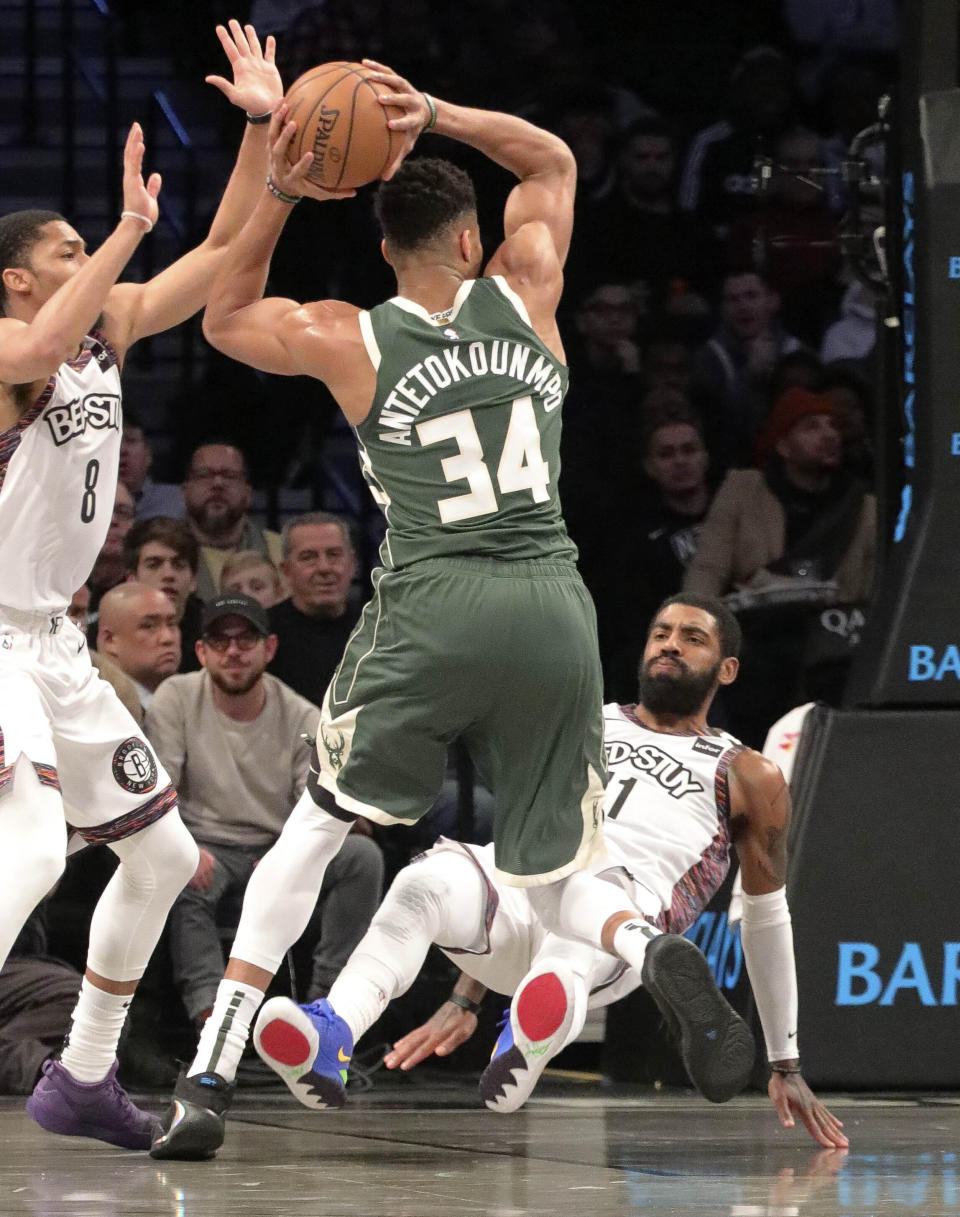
x: 341, y: 122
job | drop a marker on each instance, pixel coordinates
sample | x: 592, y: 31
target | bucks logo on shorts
x: 334, y: 745
x: 134, y: 766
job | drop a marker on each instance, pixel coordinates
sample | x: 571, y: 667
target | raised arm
x: 275, y: 334
x: 135, y: 310
x: 545, y: 166
x: 33, y: 350
x: 760, y: 818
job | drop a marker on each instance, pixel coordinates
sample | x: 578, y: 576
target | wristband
x: 135, y: 215
x: 282, y: 194
x: 432, y: 107
x: 464, y: 1003
x: 256, y: 119
x: 786, y: 1070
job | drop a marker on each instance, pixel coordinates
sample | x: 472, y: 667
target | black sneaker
x: 716, y: 1045
x: 194, y: 1126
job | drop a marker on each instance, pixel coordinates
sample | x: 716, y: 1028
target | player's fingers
x: 227, y: 43
x: 154, y: 182
x: 271, y: 51
x: 253, y: 41
x: 239, y: 37
x: 221, y: 83
x: 385, y: 77
x: 378, y: 66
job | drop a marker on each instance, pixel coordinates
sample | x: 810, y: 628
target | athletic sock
x: 225, y: 1033
x: 358, y: 1000
x: 631, y: 940
x: 91, y: 1046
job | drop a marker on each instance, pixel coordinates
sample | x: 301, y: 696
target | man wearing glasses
x: 237, y: 744
x: 217, y: 495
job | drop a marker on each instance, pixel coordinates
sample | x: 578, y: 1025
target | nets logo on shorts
x: 134, y: 766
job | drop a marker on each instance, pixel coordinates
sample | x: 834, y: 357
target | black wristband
x: 464, y: 1003
x: 786, y: 1070
x: 256, y: 119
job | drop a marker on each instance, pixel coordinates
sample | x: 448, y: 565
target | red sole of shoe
x: 285, y: 1043
x: 541, y: 1007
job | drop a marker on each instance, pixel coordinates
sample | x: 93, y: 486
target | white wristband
x: 135, y: 215
x: 767, y: 936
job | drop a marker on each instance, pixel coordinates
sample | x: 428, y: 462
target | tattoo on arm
x: 775, y: 861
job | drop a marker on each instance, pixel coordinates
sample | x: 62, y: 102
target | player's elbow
x: 214, y: 325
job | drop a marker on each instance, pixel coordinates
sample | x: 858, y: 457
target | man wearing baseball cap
x: 236, y: 739
x: 800, y: 523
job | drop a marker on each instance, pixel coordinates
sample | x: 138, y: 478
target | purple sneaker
x: 102, y: 1110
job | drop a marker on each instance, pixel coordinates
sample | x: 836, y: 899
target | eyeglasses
x: 221, y: 642
x: 209, y: 475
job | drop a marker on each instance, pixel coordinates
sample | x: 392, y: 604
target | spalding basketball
x: 341, y: 122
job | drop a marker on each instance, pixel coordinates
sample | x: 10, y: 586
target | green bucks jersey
x: 462, y: 446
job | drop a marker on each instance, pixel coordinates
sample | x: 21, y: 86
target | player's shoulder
x: 755, y: 774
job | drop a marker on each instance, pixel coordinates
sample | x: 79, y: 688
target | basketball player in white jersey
x: 679, y: 795
x: 70, y: 754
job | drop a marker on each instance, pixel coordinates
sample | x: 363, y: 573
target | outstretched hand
x: 292, y: 179
x: 256, y: 86
x: 138, y: 196
x: 416, y: 113
x: 450, y: 1027
x: 791, y: 1096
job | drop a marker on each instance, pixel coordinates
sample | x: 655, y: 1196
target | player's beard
x: 233, y: 689
x: 680, y: 692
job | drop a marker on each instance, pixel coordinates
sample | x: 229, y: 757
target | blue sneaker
x: 308, y: 1046
x: 537, y: 1025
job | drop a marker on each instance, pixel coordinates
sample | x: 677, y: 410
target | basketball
x: 341, y: 122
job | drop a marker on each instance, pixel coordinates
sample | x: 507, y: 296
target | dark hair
x: 19, y: 232
x: 167, y: 531
x: 217, y: 441
x: 667, y: 408
x: 424, y: 197
x: 728, y: 627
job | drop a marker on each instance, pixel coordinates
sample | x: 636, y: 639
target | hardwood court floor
x: 423, y: 1148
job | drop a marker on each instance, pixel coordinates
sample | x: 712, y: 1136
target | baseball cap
x: 235, y: 604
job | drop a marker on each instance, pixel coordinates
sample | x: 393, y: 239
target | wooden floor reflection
x: 425, y: 1148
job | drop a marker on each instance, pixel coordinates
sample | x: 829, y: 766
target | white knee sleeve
x: 283, y: 890
x: 579, y: 906
x: 155, y: 865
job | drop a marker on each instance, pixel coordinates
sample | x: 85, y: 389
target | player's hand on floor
x: 256, y: 86
x: 450, y: 1027
x: 791, y: 1096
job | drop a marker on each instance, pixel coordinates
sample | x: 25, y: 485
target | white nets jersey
x: 667, y: 812
x: 58, y: 477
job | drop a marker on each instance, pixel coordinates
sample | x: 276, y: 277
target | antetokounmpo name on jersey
x: 419, y: 384
x: 67, y: 420
x: 675, y: 778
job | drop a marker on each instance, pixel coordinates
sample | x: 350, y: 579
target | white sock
x: 358, y: 1000
x: 226, y: 1031
x: 91, y: 1046
x: 632, y: 939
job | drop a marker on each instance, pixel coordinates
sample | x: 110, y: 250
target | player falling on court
x: 479, y: 626
x: 680, y: 794
x: 69, y: 751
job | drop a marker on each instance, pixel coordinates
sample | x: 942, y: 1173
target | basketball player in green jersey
x: 479, y: 626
